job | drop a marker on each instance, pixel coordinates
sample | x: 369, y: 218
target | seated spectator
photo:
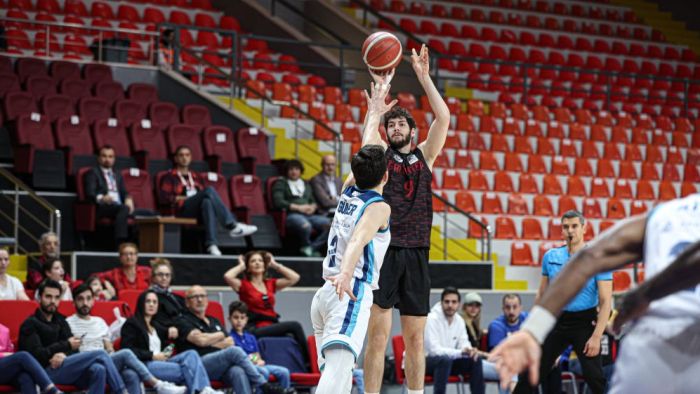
x: 101, y: 294
x: 327, y: 185
x: 50, y: 248
x: 166, y: 54
x: 257, y: 291
x: 509, y: 322
x: 183, y: 189
x: 47, y: 336
x: 471, y: 313
x: 54, y: 270
x: 149, y: 345
x: 223, y: 361
x: 94, y: 335
x: 130, y: 275
x: 294, y: 195
x: 105, y: 187
x: 11, y: 288
x: 170, y: 305
x: 22, y: 370
x: 447, y: 348
x: 238, y: 315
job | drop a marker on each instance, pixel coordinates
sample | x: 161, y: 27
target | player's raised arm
x: 437, y: 134
x: 376, y: 108
x: 375, y: 218
x: 622, y: 244
x: 682, y: 274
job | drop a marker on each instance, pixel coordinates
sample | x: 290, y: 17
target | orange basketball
x: 381, y: 51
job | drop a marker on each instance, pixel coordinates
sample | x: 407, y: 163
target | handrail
x: 485, y: 243
x: 63, y: 25
x: 54, y: 213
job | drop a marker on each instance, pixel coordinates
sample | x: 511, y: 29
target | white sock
x: 337, y: 373
x: 415, y: 391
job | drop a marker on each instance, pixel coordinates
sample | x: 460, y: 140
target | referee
x: 583, y: 321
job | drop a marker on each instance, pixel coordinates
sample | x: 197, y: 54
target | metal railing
x: 12, y: 196
x: 485, y: 230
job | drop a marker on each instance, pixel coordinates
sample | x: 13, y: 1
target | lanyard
x: 189, y: 183
x: 111, y: 183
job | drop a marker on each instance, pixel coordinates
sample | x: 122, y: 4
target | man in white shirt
x: 10, y: 287
x: 94, y: 335
x: 447, y: 348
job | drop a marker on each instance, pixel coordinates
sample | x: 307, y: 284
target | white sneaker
x: 209, y: 390
x: 164, y: 387
x: 243, y: 230
x: 213, y: 250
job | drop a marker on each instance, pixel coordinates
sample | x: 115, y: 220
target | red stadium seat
x: 185, y: 134
x: 521, y: 254
x: 505, y: 228
x: 219, y: 146
x: 517, y: 205
x: 57, y: 105
x: 491, y: 203
x: 16, y: 104
x: 111, y: 132
x: 110, y: 91
x: 542, y: 206
x: 252, y: 144
x: 246, y: 194
x: 197, y: 115
x: 163, y: 114
x: 477, y: 181
x: 129, y: 111
x: 591, y: 209
x: 566, y: 204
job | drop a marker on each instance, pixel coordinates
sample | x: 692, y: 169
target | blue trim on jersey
x: 353, y: 309
x: 369, y: 201
x: 368, y: 266
x: 348, y: 191
x: 335, y: 342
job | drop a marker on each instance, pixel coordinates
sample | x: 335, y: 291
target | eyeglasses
x: 196, y: 296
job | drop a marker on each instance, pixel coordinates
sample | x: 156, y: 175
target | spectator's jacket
x: 96, y: 184
x: 171, y: 187
x: 322, y: 194
x: 43, y: 338
x: 443, y: 338
x: 170, y: 307
x: 282, y: 195
x: 135, y: 337
x: 499, y: 329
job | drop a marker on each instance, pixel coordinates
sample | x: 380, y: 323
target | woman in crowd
x: 53, y: 269
x: 471, y: 313
x: 11, y: 288
x: 129, y: 275
x: 148, y: 343
x: 257, y: 291
x: 171, y: 305
x: 98, y: 289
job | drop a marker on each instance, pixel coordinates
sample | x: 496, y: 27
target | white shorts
x: 343, y: 322
x: 648, y: 363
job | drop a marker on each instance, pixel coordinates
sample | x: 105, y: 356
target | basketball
x: 382, y: 52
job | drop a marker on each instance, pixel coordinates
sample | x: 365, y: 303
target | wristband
x: 539, y: 323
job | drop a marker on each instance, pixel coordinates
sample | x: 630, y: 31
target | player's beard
x: 396, y: 145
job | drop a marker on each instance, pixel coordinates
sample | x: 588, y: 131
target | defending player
x: 660, y: 353
x: 358, y: 239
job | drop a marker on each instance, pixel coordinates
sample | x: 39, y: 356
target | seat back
x: 138, y: 185
x: 35, y: 130
x: 398, y: 347
x: 61, y: 70
x: 163, y: 114
x: 196, y: 115
x: 130, y: 297
x: 95, y: 72
x: 74, y: 88
x: 55, y: 106
x: 215, y: 309
x: 148, y: 139
x: 129, y: 111
x: 18, y: 103
x: 218, y: 141
x: 14, y: 313
x: 246, y: 191
x: 112, y: 132
x: 252, y: 143
x: 75, y: 135
x: 218, y: 182
x: 92, y: 109
x: 9, y: 83
x: 109, y: 91
x: 183, y: 134
x: 144, y: 93
x: 30, y: 66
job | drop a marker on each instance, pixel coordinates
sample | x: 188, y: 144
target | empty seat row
x: 107, y: 9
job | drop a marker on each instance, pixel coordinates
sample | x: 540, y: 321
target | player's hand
x: 421, y: 63
x: 632, y: 307
x: 342, y: 285
x: 518, y: 352
x: 592, y: 347
x: 382, y: 78
x: 376, y: 101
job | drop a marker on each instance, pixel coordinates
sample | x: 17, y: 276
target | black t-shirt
x: 188, y: 322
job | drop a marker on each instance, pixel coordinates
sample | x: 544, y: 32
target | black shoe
x: 273, y: 388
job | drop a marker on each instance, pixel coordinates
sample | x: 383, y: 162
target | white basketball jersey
x: 351, y: 207
x: 671, y: 228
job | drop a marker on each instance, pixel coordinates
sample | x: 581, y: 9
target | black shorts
x: 404, y: 281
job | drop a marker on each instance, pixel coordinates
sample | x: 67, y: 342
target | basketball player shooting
x: 660, y: 352
x: 404, y: 282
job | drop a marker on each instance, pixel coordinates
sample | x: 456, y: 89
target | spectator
x: 22, y: 370
x: 11, y: 288
x: 471, y: 313
x: 101, y: 294
x: 50, y: 248
x: 147, y: 342
x: 509, y: 322
x: 170, y: 305
x: 166, y: 55
x: 223, y: 361
x: 105, y: 186
x: 327, y: 185
x: 447, y: 348
x: 183, y: 189
x: 293, y: 194
x: 54, y: 270
x: 257, y: 291
x: 238, y: 315
x: 94, y: 335
x: 130, y: 276
x: 47, y: 336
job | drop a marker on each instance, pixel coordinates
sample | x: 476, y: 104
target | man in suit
x: 326, y: 185
x: 105, y: 186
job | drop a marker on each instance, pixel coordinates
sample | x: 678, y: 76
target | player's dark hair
x: 511, y: 296
x: 450, y: 290
x: 369, y: 166
x: 293, y: 163
x: 83, y: 287
x: 399, y: 112
x: 237, y: 306
x: 574, y: 214
x: 48, y: 283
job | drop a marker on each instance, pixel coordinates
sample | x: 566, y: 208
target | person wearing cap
x: 471, y: 313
